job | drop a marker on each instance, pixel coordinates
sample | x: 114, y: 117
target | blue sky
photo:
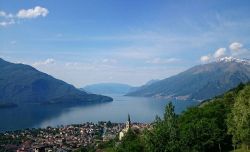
x: 127, y: 41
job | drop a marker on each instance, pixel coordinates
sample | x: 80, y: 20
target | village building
x: 125, y: 130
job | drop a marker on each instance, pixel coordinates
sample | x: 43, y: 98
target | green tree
x: 130, y: 143
x: 164, y: 137
x: 109, y: 124
x: 239, y: 119
x: 203, y: 129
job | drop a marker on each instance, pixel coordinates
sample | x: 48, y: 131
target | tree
x: 130, y: 143
x: 239, y: 119
x: 203, y: 129
x: 164, y: 137
x: 109, y: 124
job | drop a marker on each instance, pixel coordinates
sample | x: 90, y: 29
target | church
x: 125, y: 130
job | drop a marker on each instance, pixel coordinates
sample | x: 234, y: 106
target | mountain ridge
x: 108, y: 88
x: 20, y: 83
x: 200, y: 82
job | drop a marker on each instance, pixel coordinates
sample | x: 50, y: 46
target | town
x: 65, y: 138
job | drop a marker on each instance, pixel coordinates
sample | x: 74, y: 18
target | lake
x: 141, y: 109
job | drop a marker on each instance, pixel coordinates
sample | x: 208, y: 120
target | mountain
x: 21, y: 83
x: 200, y: 82
x: 108, y: 88
x: 151, y: 82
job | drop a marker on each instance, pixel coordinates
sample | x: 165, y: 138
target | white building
x: 125, y: 130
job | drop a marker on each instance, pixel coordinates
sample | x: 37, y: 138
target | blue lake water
x: 140, y: 109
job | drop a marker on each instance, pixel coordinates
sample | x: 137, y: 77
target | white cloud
x: 163, y: 61
x: 9, y: 19
x: 33, y: 12
x: 205, y: 58
x: 109, y: 61
x: 220, y: 53
x: 2, y: 13
x: 235, y: 46
x: 46, y: 62
x: 237, y: 51
x: 6, y: 15
x: 6, y: 23
x: 72, y: 64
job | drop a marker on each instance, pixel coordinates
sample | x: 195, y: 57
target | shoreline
x: 68, y: 137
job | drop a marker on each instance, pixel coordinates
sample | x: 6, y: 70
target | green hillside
x: 200, y: 82
x: 217, y: 125
x: 20, y: 83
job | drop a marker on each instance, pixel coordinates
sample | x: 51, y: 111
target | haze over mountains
x: 21, y: 83
x: 108, y: 88
x: 113, y: 88
x: 200, y: 82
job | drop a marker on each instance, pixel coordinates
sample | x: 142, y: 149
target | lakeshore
x: 63, y: 138
x: 141, y: 110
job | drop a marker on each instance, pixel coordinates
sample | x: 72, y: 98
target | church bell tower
x: 128, y: 123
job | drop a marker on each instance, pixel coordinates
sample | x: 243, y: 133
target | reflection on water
x: 140, y: 109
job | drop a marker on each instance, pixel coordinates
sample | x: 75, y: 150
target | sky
x: 124, y: 41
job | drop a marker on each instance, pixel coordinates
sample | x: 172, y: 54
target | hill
x: 20, y: 83
x: 200, y: 82
x: 108, y: 88
x: 220, y: 124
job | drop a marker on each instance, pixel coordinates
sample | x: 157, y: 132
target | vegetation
x: 239, y: 118
x: 21, y: 84
x: 108, y: 146
x: 131, y: 142
x: 221, y: 124
x: 86, y: 149
x: 218, y: 125
x: 165, y: 134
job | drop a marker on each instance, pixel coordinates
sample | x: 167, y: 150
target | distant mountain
x: 151, y: 82
x: 108, y: 88
x: 200, y: 82
x: 21, y: 83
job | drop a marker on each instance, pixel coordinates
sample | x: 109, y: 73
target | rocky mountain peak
x: 232, y: 59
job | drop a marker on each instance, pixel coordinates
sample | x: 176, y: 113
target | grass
x: 243, y: 148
